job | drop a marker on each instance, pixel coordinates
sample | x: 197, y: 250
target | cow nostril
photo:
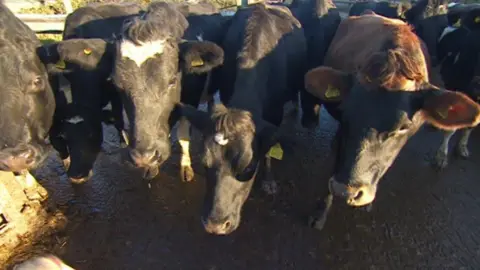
x: 227, y: 225
x: 359, y: 195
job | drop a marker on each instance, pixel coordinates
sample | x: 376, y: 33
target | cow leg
x: 441, y: 159
x: 269, y: 184
x: 210, y: 104
x: 319, y: 217
x: 33, y: 190
x: 462, y: 146
x: 183, y: 134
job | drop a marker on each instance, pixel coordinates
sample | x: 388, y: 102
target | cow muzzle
x: 219, y: 227
x: 80, y: 178
x: 354, y: 195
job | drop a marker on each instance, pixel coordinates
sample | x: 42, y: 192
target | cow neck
x: 247, y: 91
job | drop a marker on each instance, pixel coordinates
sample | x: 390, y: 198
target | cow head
x: 376, y: 123
x: 26, y: 95
x: 233, y: 147
x: 146, y: 63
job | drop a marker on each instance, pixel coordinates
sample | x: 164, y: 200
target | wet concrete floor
x: 421, y: 218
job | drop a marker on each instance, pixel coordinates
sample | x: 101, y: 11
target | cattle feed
x: 140, y: 53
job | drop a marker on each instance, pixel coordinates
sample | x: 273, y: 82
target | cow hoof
x: 270, y: 187
x: 463, y: 152
x: 66, y: 163
x: 187, y: 174
x: 441, y: 160
x: 317, y: 222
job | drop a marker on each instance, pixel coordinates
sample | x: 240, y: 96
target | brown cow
x: 375, y: 83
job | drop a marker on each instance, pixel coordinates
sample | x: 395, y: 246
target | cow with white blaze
x: 149, y: 61
x: 265, y: 52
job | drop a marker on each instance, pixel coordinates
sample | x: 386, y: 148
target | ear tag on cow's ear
x: 87, y: 51
x: 458, y: 23
x: 276, y: 152
x: 443, y: 113
x: 477, y: 19
x: 332, y: 92
x: 197, y: 62
x: 60, y: 64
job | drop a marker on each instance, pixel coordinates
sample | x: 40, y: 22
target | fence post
x: 68, y: 6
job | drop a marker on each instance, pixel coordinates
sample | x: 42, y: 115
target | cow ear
x: 89, y: 54
x: 328, y: 84
x: 199, y: 119
x: 200, y: 57
x: 449, y: 110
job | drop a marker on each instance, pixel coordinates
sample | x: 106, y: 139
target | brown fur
x: 383, y: 52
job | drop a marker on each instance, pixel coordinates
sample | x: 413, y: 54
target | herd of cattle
x: 144, y: 70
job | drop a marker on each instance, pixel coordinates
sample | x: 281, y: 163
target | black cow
x: 77, y: 131
x: 429, y: 18
x: 384, y: 8
x: 265, y: 53
x: 147, y: 61
x: 320, y: 20
x: 459, y: 51
x: 28, y: 102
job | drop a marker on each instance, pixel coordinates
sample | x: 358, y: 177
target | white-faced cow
x: 265, y: 52
x: 155, y: 53
x: 458, y: 52
x: 27, y: 100
x: 375, y: 80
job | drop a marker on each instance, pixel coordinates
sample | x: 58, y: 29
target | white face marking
x: 75, y: 120
x: 220, y: 139
x: 447, y: 30
x: 140, y: 53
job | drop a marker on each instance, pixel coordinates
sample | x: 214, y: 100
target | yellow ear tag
x: 458, y: 23
x: 332, y: 92
x: 276, y: 152
x: 443, y: 114
x: 60, y: 64
x: 87, y: 51
x: 197, y: 62
x: 477, y: 20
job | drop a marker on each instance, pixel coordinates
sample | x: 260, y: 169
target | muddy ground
x: 421, y: 219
